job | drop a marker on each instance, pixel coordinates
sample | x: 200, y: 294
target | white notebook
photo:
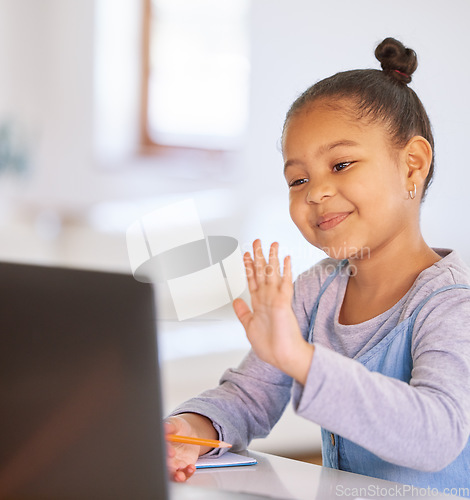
x: 228, y: 459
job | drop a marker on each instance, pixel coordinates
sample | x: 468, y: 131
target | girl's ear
x: 418, y: 158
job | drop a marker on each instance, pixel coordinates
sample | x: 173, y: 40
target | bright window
x: 198, y: 73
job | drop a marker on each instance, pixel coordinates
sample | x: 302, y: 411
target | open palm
x: 271, y: 327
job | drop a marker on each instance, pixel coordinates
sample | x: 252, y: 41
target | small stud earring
x: 412, y: 194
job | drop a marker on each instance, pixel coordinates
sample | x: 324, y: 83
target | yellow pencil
x: 212, y: 443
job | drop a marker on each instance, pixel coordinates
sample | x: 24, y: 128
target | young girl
x: 374, y: 341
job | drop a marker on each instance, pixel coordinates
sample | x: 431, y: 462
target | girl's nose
x: 319, y: 192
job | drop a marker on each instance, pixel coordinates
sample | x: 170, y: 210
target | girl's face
x: 347, y: 186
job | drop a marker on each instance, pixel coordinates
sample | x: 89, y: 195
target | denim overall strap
x: 430, y: 296
x: 392, y: 357
x: 325, y: 285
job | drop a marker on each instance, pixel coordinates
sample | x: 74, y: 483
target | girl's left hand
x: 272, y: 327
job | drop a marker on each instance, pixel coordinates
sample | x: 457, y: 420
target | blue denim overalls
x: 391, y: 357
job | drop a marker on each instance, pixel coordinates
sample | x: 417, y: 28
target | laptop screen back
x: 80, y: 401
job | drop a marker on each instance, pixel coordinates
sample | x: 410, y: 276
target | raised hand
x: 272, y: 327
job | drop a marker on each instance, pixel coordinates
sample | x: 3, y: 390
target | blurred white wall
x: 58, y: 57
x: 46, y: 60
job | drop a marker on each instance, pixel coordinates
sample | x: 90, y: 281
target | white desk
x: 282, y: 478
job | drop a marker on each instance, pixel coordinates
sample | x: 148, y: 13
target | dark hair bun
x: 396, y: 60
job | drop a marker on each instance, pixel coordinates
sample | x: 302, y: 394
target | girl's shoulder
x: 440, y: 305
x: 447, y: 275
x: 448, y: 271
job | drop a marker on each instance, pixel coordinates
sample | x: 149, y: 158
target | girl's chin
x: 346, y: 252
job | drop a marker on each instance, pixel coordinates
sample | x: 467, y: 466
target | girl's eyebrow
x: 289, y: 163
x: 322, y: 150
x: 328, y: 147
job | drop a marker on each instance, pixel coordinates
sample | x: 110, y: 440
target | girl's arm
x: 251, y: 398
x: 246, y: 405
x: 422, y: 425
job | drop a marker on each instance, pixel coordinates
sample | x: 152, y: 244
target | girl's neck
x: 381, y: 279
x: 386, y: 267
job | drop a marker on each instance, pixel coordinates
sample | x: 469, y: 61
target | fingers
x: 180, y: 465
x: 258, y: 271
x: 250, y: 272
x: 273, y: 270
x: 287, y: 277
x: 169, y: 427
x: 181, y: 475
x: 243, y: 312
x: 259, y: 261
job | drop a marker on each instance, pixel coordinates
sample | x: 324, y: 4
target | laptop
x: 80, y: 401
x: 80, y: 394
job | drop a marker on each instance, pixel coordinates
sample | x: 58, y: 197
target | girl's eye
x: 297, y: 182
x: 341, y: 166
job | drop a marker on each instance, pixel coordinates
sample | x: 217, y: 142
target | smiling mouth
x: 330, y: 221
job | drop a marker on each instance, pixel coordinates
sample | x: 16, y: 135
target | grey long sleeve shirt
x: 423, y: 425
